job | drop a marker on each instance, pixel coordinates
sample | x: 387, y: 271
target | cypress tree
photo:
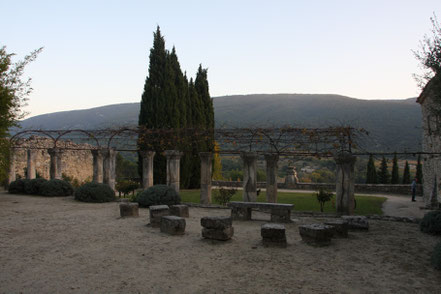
x: 383, y: 173
x: 395, y: 179
x: 406, y: 174
x: 419, y: 171
x: 371, y: 175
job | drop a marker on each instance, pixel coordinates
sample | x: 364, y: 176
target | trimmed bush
x: 436, y: 256
x: 18, y: 186
x: 94, y: 192
x: 431, y: 223
x: 158, y: 195
x: 56, y: 187
x: 33, y: 186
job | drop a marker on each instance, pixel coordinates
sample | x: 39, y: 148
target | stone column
x: 173, y: 166
x: 271, y: 177
x: 249, y: 176
x: 11, y: 171
x: 345, y: 183
x: 31, y: 172
x: 147, y: 168
x: 109, y: 166
x: 55, y: 168
x: 98, y: 172
x: 206, y: 169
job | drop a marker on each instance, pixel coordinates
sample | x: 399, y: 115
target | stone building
x: 430, y: 100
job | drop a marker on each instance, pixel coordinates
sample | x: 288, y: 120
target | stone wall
x: 74, y: 163
x: 359, y: 188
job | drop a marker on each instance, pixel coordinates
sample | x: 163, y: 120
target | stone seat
x: 273, y: 235
x: 173, y: 225
x: 280, y: 213
x: 340, y: 227
x: 217, y: 228
x: 179, y: 210
x: 356, y: 222
x: 156, y: 212
x: 128, y: 209
x: 316, y: 234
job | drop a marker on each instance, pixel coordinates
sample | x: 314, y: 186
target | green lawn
x: 302, y: 201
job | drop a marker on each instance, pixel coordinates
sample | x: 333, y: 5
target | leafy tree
x: 395, y: 179
x: 406, y: 174
x: 383, y: 173
x: 125, y: 169
x: 419, y: 171
x: 371, y: 174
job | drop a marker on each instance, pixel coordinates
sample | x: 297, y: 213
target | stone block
x: 356, y: 222
x: 173, y: 225
x: 179, y: 210
x: 218, y: 234
x: 241, y: 213
x: 280, y: 215
x: 128, y: 209
x: 316, y: 234
x: 216, y: 222
x: 340, y: 227
x: 273, y: 235
x: 156, y: 212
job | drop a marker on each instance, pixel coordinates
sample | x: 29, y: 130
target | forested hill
x: 393, y: 124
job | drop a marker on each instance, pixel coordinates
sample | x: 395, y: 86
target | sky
x: 97, y: 52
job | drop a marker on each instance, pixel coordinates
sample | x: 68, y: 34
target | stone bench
x: 156, y: 212
x: 173, y: 225
x: 217, y: 227
x: 340, y: 227
x: 280, y: 213
x: 128, y: 209
x: 316, y: 234
x: 356, y: 222
x: 179, y: 210
x: 273, y: 235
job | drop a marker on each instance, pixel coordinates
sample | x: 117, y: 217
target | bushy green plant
x: 158, y: 195
x: 323, y: 196
x: 436, y: 256
x: 56, y: 187
x: 18, y: 186
x: 223, y: 195
x: 94, y: 192
x: 431, y: 223
x: 126, y: 186
x: 73, y: 181
x: 33, y: 186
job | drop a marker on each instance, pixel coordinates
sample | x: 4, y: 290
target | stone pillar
x: 249, y: 176
x: 173, y: 166
x: 98, y: 172
x: 147, y: 168
x: 271, y: 177
x: 55, y: 168
x: 291, y: 177
x: 11, y: 171
x: 109, y: 166
x: 31, y: 172
x: 206, y: 169
x: 345, y: 183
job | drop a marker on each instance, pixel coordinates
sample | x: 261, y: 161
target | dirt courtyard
x: 58, y: 245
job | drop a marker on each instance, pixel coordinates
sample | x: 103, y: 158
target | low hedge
x: 56, y: 187
x: 94, y: 192
x: 18, y: 186
x: 158, y: 195
x: 431, y: 223
x: 33, y: 186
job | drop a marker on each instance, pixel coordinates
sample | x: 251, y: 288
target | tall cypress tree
x: 406, y: 174
x: 383, y: 173
x: 395, y: 179
x: 371, y: 175
x: 419, y: 171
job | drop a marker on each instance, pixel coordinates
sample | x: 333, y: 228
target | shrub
x: 18, y: 186
x: 94, y: 192
x: 223, y: 195
x: 323, y: 196
x: 126, y: 186
x: 436, y: 256
x: 33, y: 186
x: 56, y: 187
x: 431, y: 223
x: 158, y: 195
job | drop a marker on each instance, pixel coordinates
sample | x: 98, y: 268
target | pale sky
x: 96, y: 52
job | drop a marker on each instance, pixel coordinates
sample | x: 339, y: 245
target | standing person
x: 413, y: 187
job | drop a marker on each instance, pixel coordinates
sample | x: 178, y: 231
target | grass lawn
x: 302, y: 201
